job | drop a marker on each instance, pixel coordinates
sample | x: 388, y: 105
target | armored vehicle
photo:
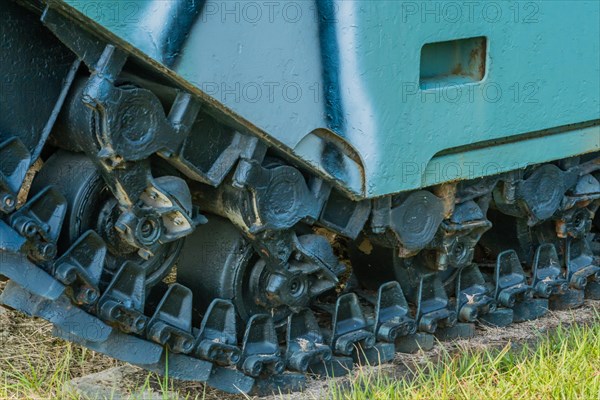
x: 244, y: 193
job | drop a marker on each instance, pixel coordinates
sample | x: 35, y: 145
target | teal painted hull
x: 411, y: 93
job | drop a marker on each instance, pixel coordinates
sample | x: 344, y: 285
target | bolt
x: 147, y: 228
x: 91, y: 295
x: 234, y: 357
x: 186, y: 345
x: 279, y: 367
x: 47, y: 251
x: 69, y: 277
x: 8, y: 202
x: 139, y: 324
x: 564, y: 287
x: 116, y: 313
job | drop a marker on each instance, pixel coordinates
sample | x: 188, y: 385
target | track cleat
x: 171, y: 324
x: 548, y: 279
x: 392, y: 319
x: 81, y: 266
x: 336, y: 367
x: 393, y: 323
x: 432, y: 305
x: 217, y: 339
x: 581, y: 268
x: 512, y: 290
x: 498, y: 318
x: 122, y: 304
x: 16, y: 159
x: 350, y: 328
x: 472, y: 295
x: 461, y: 330
x: 305, y: 343
x: 40, y: 221
x: 352, y: 335
x: 260, y: 352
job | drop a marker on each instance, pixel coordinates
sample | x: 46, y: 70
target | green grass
x: 562, y: 365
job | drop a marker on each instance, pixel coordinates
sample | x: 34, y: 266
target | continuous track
x: 160, y: 235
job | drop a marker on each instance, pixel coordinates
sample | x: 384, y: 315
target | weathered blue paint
x: 295, y: 72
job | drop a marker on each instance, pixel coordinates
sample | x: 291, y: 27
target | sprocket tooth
x: 260, y: 350
x: 123, y: 301
x: 432, y: 305
x: 350, y: 330
x: 171, y: 324
x: 81, y: 268
x: 392, y: 318
x: 305, y: 343
x: 217, y: 338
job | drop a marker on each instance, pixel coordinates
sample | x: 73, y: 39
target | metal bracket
x: 536, y: 197
x: 81, y: 268
x: 217, y: 339
x: 350, y: 329
x: 260, y: 349
x: 392, y: 319
x: 123, y: 301
x: 272, y: 197
x: 343, y: 215
x: 305, y: 343
x: 548, y: 277
x: 171, y: 324
x: 407, y: 223
x: 455, y: 241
